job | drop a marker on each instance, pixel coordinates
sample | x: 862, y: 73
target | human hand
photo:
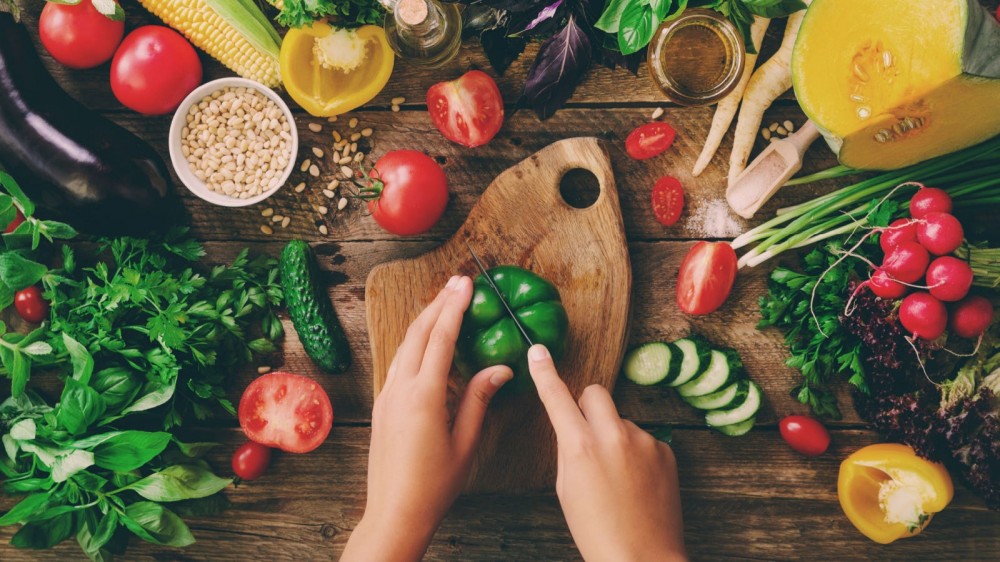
x: 419, y: 459
x: 617, y: 485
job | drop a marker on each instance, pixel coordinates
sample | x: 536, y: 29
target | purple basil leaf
x: 501, y: 49
x: 546, y: 13
x: 511, y: 5
x: 561, y: 63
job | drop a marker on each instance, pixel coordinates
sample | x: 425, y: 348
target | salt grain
x: 714, y: 219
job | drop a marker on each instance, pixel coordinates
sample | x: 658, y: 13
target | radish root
x: 772, y: 79
x: 726, y: 110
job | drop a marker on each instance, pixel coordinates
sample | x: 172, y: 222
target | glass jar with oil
x: 698, y: 58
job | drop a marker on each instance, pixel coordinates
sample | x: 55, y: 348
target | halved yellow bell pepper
x: 325, y: 91
x: 890, y: 493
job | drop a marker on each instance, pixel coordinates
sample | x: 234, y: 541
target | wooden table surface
x: 743, y: 498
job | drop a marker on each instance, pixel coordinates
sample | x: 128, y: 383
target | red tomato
x: 649, y: 140
x: 706, y: 277
x: 805, y: 434
x: 18, y: 219
x: 251, y: 460
x: 467, y: 110
x: 286, y: 411
x: 30, y: 305
x: 410, y: 192
x: 668, y: 200
x: 154, y: 69
x: 77, y: 35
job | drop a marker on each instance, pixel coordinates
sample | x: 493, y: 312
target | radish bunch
x: 917, y: 249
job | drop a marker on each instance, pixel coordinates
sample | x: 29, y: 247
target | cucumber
x: 310, y: 309
x: 694, y: 360
x: 741, y: 412
x: 714, y: 378
x: 675, y: 364
x: 737, y: 429
x: 726, y: 398
x: 648, y: 364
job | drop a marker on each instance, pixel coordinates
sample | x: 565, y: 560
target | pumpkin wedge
x: 894, y: 82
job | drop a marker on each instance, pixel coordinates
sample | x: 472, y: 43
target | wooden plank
x: 346, y: 265
x: 749, y: 497
x: 522, y: 220
x: 601, y: 85
x: 469, y: 171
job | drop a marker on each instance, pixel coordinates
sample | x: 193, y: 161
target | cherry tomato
x: 286, y: 411
x: 706, y: 277
x: 649, y: 140
x: 251, y: 460
x: 18, y: 219
x: 467, y: 110
x: 154, y: 69
x: 411, y: 190
x: 30, y: 305
x: 77, y: 35
x: 668, y: 200
x: 805, y: 434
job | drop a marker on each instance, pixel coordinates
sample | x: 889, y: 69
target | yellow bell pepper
x: 329, y: 71
x: 890, y: 493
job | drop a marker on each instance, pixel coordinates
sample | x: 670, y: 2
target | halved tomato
x: 467, y: 110
x: 706, y: 277
x: 649, y: 140
x: 286, y: 411
x: 668, y: 200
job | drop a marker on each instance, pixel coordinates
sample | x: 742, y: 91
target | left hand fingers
x: 441, y: 343
x: 410, y: 354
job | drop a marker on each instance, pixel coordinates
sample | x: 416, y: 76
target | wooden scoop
x: 769, y: 172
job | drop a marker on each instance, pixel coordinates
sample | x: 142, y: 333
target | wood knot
x: 328, y: 531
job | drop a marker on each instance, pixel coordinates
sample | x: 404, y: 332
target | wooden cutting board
x: 522, y: 219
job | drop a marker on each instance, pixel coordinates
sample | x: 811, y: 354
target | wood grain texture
x: 747, y: 498
x: 521, y: 219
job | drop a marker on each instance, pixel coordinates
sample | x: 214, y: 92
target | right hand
x: 617, y: 485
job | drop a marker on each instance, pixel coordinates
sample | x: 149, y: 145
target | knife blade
x: 510, y: 312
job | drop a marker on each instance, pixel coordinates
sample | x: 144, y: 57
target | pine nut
x: 276, y: 218
x: 367, y: 132
x: 341, y: 204
x: 773, y: 127
x: 355, y: 137
x: 323, y: 230
x: 322, y: 210
x: 315, y: 127
x: 318, y: 151
x: 400, y: 100
x: 781, y: 131
x: 267, y: 212
x: 300, y: 187
x: 337, y: 137
x: 266, y: 229
x: 657, y: 113
x: 285, y: 222
x: 314, y: 171
x: 329, y: 194
x: 347, y: 172
x: 789, y: 125
x: 353, y: 122
x: 332, y: 119
x: 766, y: 133
x: 263, y: 369
x: 395, y: 109
x: 334, y: 184
x: 305, y: 165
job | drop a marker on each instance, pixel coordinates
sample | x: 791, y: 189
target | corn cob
x: 234, y: 32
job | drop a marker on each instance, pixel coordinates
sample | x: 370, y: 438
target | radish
x: 906, y: 262
x: 923, y: 315
x: 929, y: 200
x: 901, y: 230
x: 884, y: 286
x: 971, y: 317
x: 949, y: 279
x: 940, y: 233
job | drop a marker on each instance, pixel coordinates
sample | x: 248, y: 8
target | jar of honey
x: 697, y: 58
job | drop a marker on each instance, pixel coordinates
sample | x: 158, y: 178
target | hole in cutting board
x: 580, y: 188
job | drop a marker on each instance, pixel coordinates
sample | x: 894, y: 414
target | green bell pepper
x: 489, y: 336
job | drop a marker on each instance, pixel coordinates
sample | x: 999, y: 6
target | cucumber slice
x: 648, y: 364
x: 729, y: 396
x: 716, y: 377
x: 675, y: 363
x: 742, y: 412
x: 694, y: 360
x: 737, y: 429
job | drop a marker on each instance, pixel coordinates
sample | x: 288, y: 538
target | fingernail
x: 452, y: 282
x: 538, y: 352
x: 501, y: 377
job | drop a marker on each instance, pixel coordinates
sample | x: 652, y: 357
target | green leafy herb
x: 346, y: 13
x: 741, y: 13
x: 635, y: 21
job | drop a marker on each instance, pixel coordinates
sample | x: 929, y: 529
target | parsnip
x: 727, y: 107
x: 772, y: 79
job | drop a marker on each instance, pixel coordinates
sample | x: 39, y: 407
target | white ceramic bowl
x: 181, y: 165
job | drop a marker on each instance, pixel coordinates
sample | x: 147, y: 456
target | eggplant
x: 73, y: 163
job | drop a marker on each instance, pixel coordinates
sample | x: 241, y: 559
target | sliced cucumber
x: 675, y: 363
x: 648, y: 364
x: 729, y: 396
x: 694, y: 360
x: 737, y: 429
x: 716, y: 377
x: 742, y: 412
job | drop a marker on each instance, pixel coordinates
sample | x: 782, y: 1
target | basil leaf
x: 24, y: 430
x: 44, y: 534
x: 560, y: 65
x: 67, y: 465
x: 610, y: 20
x: 89, y: 481
x: 88, y: 442
x: 26, y: 485
x: 194, y: 450
x: 180, y: 482
x: 18, y: 272
x: 79, y: 407
x: 661, y: 8
x: 92, y: 540
x: 130, y: 450
x: 158, y: 396
x: 20, y: 372
x: 15, y: 191
x: 116, y: 386
x: 637, y: 27
x: 154, y: 523
x: 25, y: 509
x: 83, y: 362
x: 774, y: 8
x: 37, y: 349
